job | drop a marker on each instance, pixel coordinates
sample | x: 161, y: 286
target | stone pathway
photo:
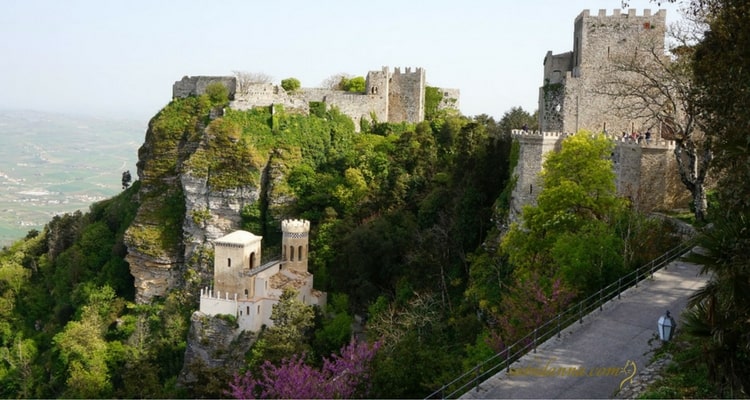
x: 609, y: 351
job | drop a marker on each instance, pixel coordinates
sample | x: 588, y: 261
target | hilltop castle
x: 646, y: 171
x: 389, y: 96
x: 247, y: 290
x: 569, y: 100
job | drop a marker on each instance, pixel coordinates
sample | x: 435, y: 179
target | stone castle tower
x: 533, y: 147
x: 646, y: 171
x: 294, y: 243
x: 568, y: 99
x: 247, y: 290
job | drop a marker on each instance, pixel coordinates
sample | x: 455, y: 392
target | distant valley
x: 53, y: 163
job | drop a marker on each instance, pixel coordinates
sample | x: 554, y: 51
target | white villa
x: 247, y: 290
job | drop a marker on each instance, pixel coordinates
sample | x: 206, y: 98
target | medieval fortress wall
x: 569, y: 101
x: 645, y: 171
x: 389, y: 96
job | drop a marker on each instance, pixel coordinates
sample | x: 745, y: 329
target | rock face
x: 180, y: 213
x: 194, y: 182
x: 153, y: 276
x: 213, y: 344
x: 211, y: 214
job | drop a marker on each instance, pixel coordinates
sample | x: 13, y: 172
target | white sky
x: 120, y: 58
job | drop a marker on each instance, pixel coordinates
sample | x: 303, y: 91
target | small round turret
x: 294, y: 243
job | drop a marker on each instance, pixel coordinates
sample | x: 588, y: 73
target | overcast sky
x: 120, y: 58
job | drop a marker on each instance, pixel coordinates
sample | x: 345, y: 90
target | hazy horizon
x: 120, y: 59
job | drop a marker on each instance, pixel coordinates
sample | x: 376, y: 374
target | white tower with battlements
x: 247, y: 290
x: 294, y: 243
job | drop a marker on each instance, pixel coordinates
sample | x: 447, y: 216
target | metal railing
x: 554, y: 326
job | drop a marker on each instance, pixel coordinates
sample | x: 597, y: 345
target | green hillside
x: 405, y: 231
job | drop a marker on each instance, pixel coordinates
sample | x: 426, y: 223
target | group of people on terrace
x: 637, y: 137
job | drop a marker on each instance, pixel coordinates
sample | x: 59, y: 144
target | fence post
x: 637, y: 276
x: 558, y: 325
x: 507, y: 359
x: 601, y: 299
x: 619, y: 288
x: 476, y: 378
x: 535, y: 340
x: 580, y: 312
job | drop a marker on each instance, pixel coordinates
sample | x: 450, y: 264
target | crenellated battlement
x: 643, y: 143
x: 295, y: 226
x: 210, y: 294
x: 520, y: 133
x: 631, y: 13
x: 407, y: 71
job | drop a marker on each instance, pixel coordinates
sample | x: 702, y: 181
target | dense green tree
x: 517, y: 118
x: 720, y: 311
x: 335, y: 327
x: 577, y: 203
x: 83, y: 349
x: 287, y: 336
x: 356, y: 84
x: 218, y: 94
x: 290, y: 84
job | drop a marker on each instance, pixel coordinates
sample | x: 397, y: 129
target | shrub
x: 290, y: 84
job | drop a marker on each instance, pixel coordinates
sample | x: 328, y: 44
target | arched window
x: 299, y: 253
x: 229, y: 262
x: 283, y: 253
x: 291, y: 253
x: 248, y: 310
x: 252, y: 260
x: 246, y: 294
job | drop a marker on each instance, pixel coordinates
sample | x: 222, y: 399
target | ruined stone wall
x: 451, y: 99
x: 390, y: 97
x: 556, y: 66
x: 354, y: 105
x: 196, y: 85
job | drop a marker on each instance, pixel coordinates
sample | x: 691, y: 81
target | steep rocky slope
x: 195, y: 182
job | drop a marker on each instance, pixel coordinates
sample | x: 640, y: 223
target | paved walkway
x: 592, y: 359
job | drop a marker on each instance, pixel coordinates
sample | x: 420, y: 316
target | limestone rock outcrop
x: 213, y: 343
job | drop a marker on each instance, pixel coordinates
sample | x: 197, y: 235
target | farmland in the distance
x: 52, y: 164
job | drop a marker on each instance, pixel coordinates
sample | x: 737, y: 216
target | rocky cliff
x: 194, y: 182
x: 214, y: 346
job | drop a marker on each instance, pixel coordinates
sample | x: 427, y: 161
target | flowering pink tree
x: 528, y: 305
x: 342, y: 376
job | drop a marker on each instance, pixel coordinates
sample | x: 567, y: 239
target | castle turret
x: 406, y: 95
x: 533, y: 148
x: 234, y: 256
x: 294, y: 244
